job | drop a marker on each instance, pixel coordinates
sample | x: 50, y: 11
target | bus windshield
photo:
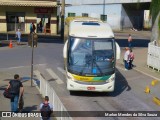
x: 91, y: 56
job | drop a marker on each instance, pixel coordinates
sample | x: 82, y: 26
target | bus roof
x: 90, y: 28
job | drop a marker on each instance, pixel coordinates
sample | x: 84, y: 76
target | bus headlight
x: 69, y: 76
x: 112, y: 78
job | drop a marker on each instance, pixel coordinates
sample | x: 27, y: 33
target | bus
x: 90, y: 54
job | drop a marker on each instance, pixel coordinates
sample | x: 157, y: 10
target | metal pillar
x: 62, y: 18
x: 32, y: 61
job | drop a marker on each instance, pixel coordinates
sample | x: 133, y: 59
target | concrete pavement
x: 140, y: 62
x: 32, y: 97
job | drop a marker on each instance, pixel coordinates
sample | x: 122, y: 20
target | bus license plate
x: 91, y: 88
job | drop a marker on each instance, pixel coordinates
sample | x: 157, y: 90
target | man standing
x: 18, y: 35
x: 130, y: 41
x: 16, y: 90
x: 46, y: 109
x: 31, y: 28
x: 126, y: 58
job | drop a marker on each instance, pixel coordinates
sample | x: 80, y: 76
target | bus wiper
x: 98, y: 67
x: 87, y: 63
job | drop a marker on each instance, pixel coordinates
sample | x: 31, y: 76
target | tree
x: 155, y: 13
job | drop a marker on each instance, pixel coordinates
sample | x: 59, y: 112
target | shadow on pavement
x: 121, y: 85
x: 29, y: 109
x: 3, y: 87
x: 41, y: 39
x: 36, y: 81
x: 3, y: 45
x: 135, y: 43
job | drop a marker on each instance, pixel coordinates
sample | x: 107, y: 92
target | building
x: 120, y: 14
x: 19, y: 14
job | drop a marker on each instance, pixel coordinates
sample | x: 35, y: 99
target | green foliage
x: 155, y: 9
x: 159, y: 23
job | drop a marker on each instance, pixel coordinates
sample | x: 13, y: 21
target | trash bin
x: 35, y: 40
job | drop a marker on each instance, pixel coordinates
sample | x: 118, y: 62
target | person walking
x: 16, y: 90
x: 46, y: 109
x: 130, y: 41
x: 31, y: 28
x: 34, y: 27
x: 131, y: 58
x: 18, y: 35
x: 40, y: 26
x: 126, y: 58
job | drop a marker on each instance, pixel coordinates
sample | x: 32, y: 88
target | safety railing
x: 47, y: 90
x: 153, y: 56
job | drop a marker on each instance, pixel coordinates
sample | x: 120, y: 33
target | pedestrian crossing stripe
x: 61, y: 70
x: 58, y: 80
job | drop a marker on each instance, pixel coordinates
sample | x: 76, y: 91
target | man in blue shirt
x: 18, y: 35
x: 16, y: 90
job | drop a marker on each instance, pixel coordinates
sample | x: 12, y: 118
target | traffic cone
x: 154, y: 82
x: 10, y: 44
x: 147, y: 89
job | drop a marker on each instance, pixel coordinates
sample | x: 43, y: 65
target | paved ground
x: 140, y: 62
x: 140, y: 50
x: 32, y: 97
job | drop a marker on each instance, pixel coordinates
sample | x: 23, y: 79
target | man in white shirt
x: 126, y: 58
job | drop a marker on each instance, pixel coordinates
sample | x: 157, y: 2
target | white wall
x: 125, y: 20
x: 113, y: 15
x: 78, y: 2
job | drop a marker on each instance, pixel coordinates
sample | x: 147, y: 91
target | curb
x: 146, y: 74
x: 138, y: 70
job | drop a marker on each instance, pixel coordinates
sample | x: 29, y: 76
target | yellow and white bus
x: 90, y: 54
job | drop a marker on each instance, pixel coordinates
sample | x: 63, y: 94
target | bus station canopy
x: 28, y: 3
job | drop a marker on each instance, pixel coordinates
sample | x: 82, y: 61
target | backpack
x: 15, y: 87
x: 46, y: 111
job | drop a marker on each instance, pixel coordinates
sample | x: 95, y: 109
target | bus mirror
x: 118, y: 51
x: 65, y: 50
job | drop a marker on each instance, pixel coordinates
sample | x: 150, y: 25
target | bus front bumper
x: 73, y: 86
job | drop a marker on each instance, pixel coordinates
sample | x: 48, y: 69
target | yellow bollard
x: 156, y: 100
x: 154, y: 82
x: 147, y: 89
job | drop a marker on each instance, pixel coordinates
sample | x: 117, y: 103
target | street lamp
x: 103, y: 16
x: 104, y: 1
